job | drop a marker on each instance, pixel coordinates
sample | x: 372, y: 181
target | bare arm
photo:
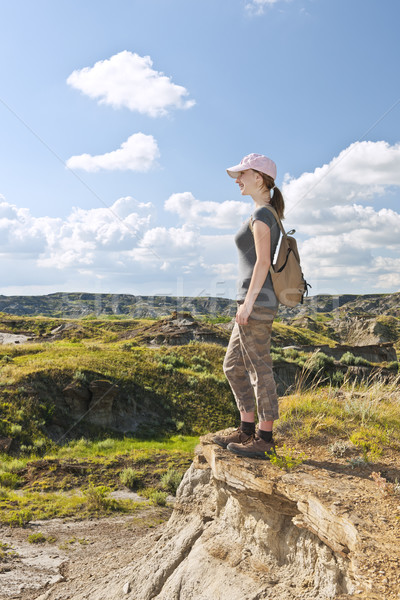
x: 262, y: 240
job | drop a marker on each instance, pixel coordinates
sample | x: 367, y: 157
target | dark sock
x: 265, y: 435
x: 247, y: 428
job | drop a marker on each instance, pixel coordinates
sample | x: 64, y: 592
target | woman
x: 248, y: 364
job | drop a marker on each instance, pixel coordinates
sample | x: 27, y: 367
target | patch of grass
x: 37, y: 538
x: 156, y: 497
x: 98, y: 499
x: 365, y: 439
x: 171, y: 479
x: 16, y: 510
x: 287, y: 459
x: 367, y: 415
x: 10, y: 480
x: 142, y: 449
x: 131, y: 478
x: 319, y: 361
x: 287, y: 335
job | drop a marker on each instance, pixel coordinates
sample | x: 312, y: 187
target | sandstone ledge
x: 242, y: 529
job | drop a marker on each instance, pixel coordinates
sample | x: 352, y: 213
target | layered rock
x: 244, y: 530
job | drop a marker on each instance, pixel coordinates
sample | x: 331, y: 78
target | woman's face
x: 248, y: 182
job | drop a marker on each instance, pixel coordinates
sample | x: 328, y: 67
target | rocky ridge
x: 77, y: 305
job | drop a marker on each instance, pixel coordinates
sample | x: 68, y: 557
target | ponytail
x: 277, y: 201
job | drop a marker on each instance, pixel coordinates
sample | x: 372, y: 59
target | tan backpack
x: 288, y: 281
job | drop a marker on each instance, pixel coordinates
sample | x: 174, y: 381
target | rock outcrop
x: 363, y: 330
x: 180, y: 329
x: 13, y: 338
x: 242, y: 529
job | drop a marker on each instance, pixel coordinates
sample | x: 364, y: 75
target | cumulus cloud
x: 128, y: 80
x: 116, y: 249
x: 346, y: 235
x: 138, y: 153
x: 348, y: 242
x: 359, y: 173
x: 219, y: 215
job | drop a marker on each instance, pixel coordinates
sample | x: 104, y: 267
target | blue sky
x: 118, y: 120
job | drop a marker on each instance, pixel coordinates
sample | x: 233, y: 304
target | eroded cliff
x: 244, y: 529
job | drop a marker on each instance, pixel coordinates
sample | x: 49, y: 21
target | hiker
x: 248, y: 363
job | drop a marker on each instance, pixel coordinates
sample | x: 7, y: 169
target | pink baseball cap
x: 258, y: 162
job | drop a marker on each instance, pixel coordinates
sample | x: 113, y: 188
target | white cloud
x: 118, y: 249
x: 361, y: 172
x: 138, y: 153
x: 128, y: 80
x: 346, y: 235
x: 257, y: 7
x: 219, y: 215
x: 348, y: 242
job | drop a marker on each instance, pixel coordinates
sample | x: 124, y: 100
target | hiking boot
x: 253, y: 447
x: 236, y: 437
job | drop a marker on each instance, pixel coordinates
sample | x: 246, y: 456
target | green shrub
x: 199, y: 368
x: 393, y: 366
x: 319, y: 361
x: 174, y: 360
x: 368, y: 445
x: 158, y: 498
x: 201, y: 361
x: 131, y: 478
x: 10, y: 480
x: 80, y: 376
x: 6, y: 552
x: 291, y: 353
x: 3, y: 493
x: 359, y: 361
x: 6, y: 359
x: 36, y: 538
x: 106, y: 444
x: 19, y: 518
x: 287, y: 459
x: 166, y: 366
x: 337, y: 378
x: 171, y: 479
x: 15, y: 430
x: 39, y: 444
x: 348, y: 359
x: 98, y: 499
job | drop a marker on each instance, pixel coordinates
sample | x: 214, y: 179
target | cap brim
x: 233, y: 171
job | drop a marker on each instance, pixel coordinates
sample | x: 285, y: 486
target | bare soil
x: 81, y: 552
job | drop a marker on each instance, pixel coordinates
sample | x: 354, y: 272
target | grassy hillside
x: 180, y: 389
x: 63, y: 466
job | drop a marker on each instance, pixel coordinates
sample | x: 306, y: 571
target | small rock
x: 127, y: 588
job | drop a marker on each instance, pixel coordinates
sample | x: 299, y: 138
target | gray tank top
x: 244, y: 240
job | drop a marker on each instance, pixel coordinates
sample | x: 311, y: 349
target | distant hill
x: 78, y: 305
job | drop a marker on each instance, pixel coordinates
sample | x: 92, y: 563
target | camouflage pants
x: 248, y: 365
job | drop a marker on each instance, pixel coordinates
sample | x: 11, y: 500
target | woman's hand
x: 243, y: 314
